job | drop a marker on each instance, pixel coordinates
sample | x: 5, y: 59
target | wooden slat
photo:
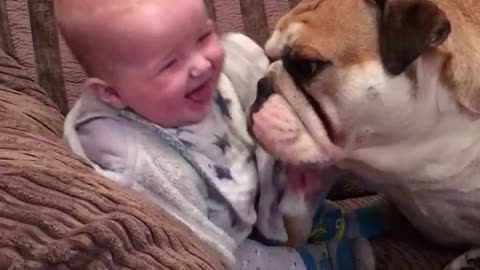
x: 210, y: 6
x: 5, y: 35
x: 255, y: 20
x: 293, y: 3
x: 47, y: 51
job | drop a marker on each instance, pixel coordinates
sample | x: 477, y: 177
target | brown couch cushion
x: 56, y: 213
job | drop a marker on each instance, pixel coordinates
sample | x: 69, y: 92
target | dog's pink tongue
x: 303, y: 180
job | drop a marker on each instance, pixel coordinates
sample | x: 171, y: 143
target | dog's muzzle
x: 264, y: 91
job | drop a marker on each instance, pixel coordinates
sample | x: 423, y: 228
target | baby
x: 164, y: 111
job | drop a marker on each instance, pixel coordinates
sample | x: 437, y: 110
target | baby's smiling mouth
x: 201, y: 93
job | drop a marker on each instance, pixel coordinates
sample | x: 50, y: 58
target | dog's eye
x: 304, y: 70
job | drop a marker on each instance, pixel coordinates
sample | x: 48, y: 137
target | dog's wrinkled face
x: 347, y: 75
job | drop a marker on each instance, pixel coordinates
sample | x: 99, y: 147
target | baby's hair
x: 76, y: 19
x: 80, y: 23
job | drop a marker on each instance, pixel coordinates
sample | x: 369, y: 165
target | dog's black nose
x: 264, y: 88
x: 264, y: 91
x: 272, y: 58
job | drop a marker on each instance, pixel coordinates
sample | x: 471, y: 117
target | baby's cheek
x: 215, y: 53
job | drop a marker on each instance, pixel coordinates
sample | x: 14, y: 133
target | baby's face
x: 173, y: 59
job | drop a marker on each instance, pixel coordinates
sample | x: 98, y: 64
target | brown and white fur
x: 391, y: 90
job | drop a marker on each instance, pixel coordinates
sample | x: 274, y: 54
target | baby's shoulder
x: 107, y: 140
x: 238, y: 45
x: 245, y: 63
x: 97, y: 130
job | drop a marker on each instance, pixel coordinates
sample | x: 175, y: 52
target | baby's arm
x: 106, y: 143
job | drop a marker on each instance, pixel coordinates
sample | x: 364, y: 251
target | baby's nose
x: 200, y: 66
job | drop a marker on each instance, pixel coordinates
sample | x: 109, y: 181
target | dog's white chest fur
x: 434, y: 180
x: 448, y: 217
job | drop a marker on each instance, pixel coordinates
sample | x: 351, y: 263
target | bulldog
x: 389, y: 89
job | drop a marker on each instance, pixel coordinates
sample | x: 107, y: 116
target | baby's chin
x: 199, y: 113
x: 180, y: 118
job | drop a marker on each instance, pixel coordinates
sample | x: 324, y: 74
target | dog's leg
x: 466, y: 261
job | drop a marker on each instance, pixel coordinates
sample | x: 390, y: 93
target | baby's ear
x: 105, y: 93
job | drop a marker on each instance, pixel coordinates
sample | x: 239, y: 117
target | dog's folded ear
x: 407, y: 29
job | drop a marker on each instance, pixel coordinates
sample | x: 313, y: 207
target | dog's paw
x: 282, y: 134
x: 466, y: 261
